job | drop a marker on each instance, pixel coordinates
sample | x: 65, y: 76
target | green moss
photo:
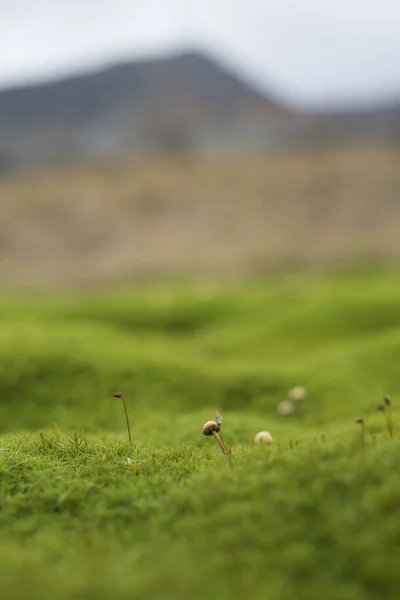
x: 312, y: 516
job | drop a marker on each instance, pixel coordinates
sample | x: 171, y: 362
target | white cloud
x: 309, y: 50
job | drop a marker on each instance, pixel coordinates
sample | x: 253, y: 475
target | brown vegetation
x: 218, y: 216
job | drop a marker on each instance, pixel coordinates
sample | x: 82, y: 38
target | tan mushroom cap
x: 209, y: 427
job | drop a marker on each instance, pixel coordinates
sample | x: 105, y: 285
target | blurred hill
x: 181, y: 103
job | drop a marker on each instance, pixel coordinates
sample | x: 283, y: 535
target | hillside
x: 186, y: 102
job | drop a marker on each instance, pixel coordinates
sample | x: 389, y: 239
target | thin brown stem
x: 220, y: 442
x: 388, y: 415
x: 228, y: 452
x: 390, y: 422
x: 363, y: 435
x: 127, y: 421
x: 382, y: 408
x: 362, y: 431
x: 221, y: 436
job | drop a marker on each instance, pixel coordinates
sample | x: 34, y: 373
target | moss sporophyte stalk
x: 120, y: 395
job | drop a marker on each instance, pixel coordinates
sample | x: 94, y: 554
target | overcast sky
x: 310, y: 52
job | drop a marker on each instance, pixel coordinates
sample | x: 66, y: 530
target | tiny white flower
x: 285, y: 407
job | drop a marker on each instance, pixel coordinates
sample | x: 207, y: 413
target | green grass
x: 84, y: 515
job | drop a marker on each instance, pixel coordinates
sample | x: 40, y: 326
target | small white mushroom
x: 285, y: 407
x: 264, y: 437
x: 297, y: 393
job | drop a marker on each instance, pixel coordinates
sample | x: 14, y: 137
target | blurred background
x: 165, y: 138
x: 200, y: 207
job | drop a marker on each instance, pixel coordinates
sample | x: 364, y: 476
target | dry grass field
x: 185, y: 215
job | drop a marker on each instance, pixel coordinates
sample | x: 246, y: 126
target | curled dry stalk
x: 120, y: 395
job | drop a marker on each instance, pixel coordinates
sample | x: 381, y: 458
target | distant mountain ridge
x: 181, y: 103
